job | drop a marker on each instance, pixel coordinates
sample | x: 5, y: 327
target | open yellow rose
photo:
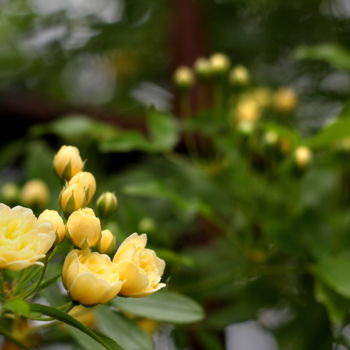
x: 90, y: 278
x: 23, y: 239
x: 139, y: 268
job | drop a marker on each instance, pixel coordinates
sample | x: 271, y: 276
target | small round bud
x: 303, y: 156
x: 35, y: 193
x: 202, y: 68
x: 184, y: 78
x: 285, y: 100
x: 245, y: 127
x: 147, y: 224
x: 67, y: 162
x: 239, y: 76
x: 247, y: 110
x: 10, y: 192
x: 72, y: 197
x: 87, y: 181
x: 220, y: 64
x: 107, y: 242
x: 84, y: 228
x: 56, y: 221
x: 106, y: 204
x: 262, y: 96
x: 270, y: 138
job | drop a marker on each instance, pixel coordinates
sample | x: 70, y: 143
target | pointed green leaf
x: 123, y: 330
x: 162, y: 306
x: 108, y: 343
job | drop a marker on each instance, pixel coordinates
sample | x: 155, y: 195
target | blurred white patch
x: 44, y: 36
x: 274, y: 318
x: 87, y: 80
x: 150, y: 94
x: 249, y: 335
x: 163, y: 339
x: 78, y: 36
x: 336, y: 8
x: 105, y: 10
x: 337, y: 82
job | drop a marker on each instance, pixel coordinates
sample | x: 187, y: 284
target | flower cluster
x: 91, y: 277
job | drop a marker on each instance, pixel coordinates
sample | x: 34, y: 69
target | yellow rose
x: 106, y: 203
x: 35, y: 192
x: 23, y: 239
x: 72, y: 197
x: 139, y: 268
x: 107, y: 242
x: 67, y: 162
x: 84, y: 228
x: 56, y: 221
x: 90, y: 278
x: 87, y: 181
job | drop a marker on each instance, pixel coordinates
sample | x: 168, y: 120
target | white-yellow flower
x: 23, y: 239
x: 90, y: 278
x: 139, y: 268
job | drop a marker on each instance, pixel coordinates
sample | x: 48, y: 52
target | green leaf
x: 64, y: 317
x: 331, y: 134
x: 164, y: 130
x: 331, y: 53
x: 86, y: 342
x: 18, y: 306
x: 162, y: 306
x: 126, y: 141
x: 336, y: 305
x: 334, y: 272
x: 123, y: 330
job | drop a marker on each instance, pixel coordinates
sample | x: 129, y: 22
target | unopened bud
x: 106, y: 204
x: 239, y: 76
x: 10, y: 193
x: 202, y: 68
x: 107, y: 242
x: 220, y: 64
x: 285, y: 100
x: 87, y: 181
x: 35, y: 193
x: 147, y: 224
x: 303, y: 156
x: 67, y: 162
x: 270, y: 138
x: 56, y: 221
x: 72, y: 197
x: 84, y: 228
x: 184, y: 78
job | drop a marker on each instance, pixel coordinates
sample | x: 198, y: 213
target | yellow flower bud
x: 202, y: 68
x: 35, y: 193
x: 139, y: 268
x: 149, y: 326
x: 285, y: 100
x: 303, y: 156
x: 10, y: 192
x: 106, y: 203
x: 90, y: 278
x: 270, y: 138
x: 184, y: 78
x: 84, y: 228
x: 67, y: 162
x: 72, y: 197
x: 262, y: 96
x: 56, y: 221
x: 245, y: 127
x: 23, y: 240
x: 239, y: 75
x: 220, y: 63
x: 87, y: 181
x: 247, y: 110
x: 106, y: 245
x: 84, y: 315
x: 147, y: 224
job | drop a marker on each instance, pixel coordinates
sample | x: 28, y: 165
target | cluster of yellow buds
x: 91, y: 277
